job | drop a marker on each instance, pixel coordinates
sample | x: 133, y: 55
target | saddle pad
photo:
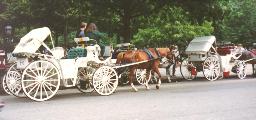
x: 150, y: 56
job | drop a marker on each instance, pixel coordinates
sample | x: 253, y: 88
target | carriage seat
x: 76, y: 52
x: 58, y: 52
x: 224, y: 50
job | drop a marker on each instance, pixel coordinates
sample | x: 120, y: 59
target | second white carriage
x: 202, y: 56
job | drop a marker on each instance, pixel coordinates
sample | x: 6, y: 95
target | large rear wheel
x: 40, y: 80
x: 212, y: 68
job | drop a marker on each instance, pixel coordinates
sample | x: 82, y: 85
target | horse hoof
x: 147, y: 88
x: 134, y: 90
x: 157, y: 87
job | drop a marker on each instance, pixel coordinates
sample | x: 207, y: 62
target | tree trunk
x: 126, y: 26
x: 65, y: 32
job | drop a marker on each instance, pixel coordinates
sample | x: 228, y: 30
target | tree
x: 170, y: 26
x: 121, y: 15
x: 239, y: 26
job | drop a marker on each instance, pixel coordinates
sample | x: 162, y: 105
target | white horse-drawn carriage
x: 203, y: 56
x: 39, y: 75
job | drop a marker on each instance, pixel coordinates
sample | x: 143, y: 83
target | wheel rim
x: 40, y: 80
x: 211, y: 68
x: 105, y: 80
x: 84, y: 80
x: 13, y: 80
x: 141, y: 76
x: 5, y: 87
x: 241, y: 71
x: 185, y: 70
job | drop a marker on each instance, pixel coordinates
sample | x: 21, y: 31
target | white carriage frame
x: 67, y: 69
x: 203, y: 51
x: 199, y: 51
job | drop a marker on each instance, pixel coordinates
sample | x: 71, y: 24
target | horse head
x: 170, y: 53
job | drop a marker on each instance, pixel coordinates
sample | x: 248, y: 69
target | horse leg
x: 167, y: 71
x: 147, y: 77
x: 131, y: 77
x: 159, y: 77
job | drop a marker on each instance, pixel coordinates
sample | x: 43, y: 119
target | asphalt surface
x: 227, y: 99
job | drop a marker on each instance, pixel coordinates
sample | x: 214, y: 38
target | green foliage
x: 240, y: 25
x: 170, y: 26
x: 146, y: 22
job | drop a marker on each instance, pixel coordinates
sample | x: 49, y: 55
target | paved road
x: 229, y: 99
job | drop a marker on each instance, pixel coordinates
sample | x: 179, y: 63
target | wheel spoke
x: 49, y: 71
x: 50, y: 84
x: 37, y: 69
x: 48, y: 88
x: 45, y: 90
x: 51, y: 75
x: 41, y: 92
x: 32, y: 72
x: 33, y: 88
x: 52, y: 80
x: 43, y: 74
x: 37, y: 90
x: 30, y: 85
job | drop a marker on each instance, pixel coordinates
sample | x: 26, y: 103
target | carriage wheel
x: 240, y: 70
x: 186, y: 69
x: 5, y: 87
x: 105, y: 80
x: 84, y: 80
x: 13, y: 81
x: 40, y: 80
x: 141, y: 76
x: 211, y: 68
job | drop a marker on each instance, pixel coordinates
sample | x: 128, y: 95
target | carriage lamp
x: 8, y: 30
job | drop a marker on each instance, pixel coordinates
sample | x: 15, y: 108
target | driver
x: 92, y: 32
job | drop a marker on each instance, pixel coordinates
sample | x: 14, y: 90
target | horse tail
x: 120, y: 57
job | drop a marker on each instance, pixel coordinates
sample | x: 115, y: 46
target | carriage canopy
x: 31, y: 42
x: 200, y: 45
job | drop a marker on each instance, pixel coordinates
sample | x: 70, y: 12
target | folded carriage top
x: 31, y: 42
x: 200, y: 45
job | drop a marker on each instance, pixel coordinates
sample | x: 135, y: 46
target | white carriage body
x: 48, y: 68
x: 68, y: 68
x: 198, y: 48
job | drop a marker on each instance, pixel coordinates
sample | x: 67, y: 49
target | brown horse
x: 153, y: 57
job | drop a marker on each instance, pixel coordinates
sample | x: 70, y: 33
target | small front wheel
x: 105, y: 80
x: 188, y: 70
x: 241, y: 69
